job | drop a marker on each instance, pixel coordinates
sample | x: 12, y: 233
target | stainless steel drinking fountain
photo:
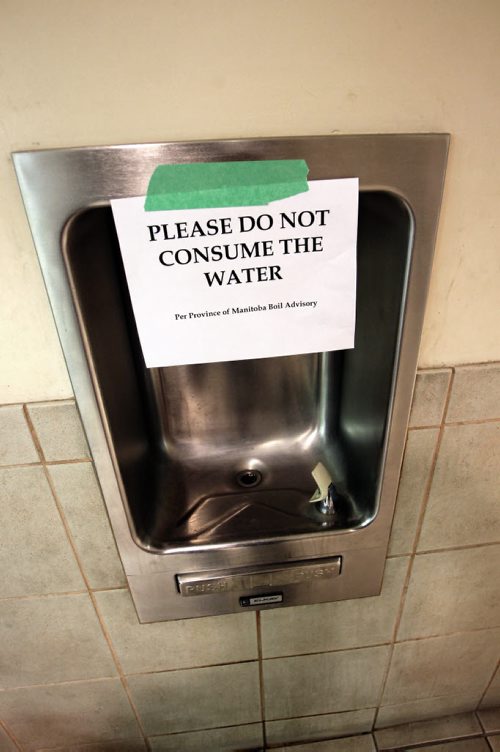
x: 206, y: 470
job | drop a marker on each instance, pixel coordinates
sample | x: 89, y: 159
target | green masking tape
x: 208, y: 185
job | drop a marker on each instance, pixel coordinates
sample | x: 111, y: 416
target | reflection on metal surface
x: 174, y: 446
x: 200, y: 583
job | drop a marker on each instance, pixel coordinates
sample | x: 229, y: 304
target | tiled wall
x: 76, y: 667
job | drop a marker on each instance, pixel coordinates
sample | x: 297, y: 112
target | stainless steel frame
x: 58, y: 187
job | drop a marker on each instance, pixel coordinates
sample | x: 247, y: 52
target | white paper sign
x: 235, y: 283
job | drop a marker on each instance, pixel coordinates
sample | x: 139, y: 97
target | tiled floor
x: 467, y: 732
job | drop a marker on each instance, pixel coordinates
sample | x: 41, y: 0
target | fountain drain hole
x: 249, y: 478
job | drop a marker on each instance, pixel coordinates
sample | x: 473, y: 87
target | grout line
x: 497, y: 668
x: 33, y: 433
x: 119, y: 668
x: 153, y: 672
x: 62, y: 401
x: 261, y: 678
x: 326, y: 652
x: 447, y: 397
x: 33, y: 596
x: 96, y: 609
x: 10, y: 735
x: 94, y: 679
x: 75, y: 461
x: 423, y: 428
x: 432, y: 469
x: 49, y: 463
x: 477, y: 422
x: 427, y: 551
x: 398, y: 556
x: 209, y: 728
x: 315, y: 740
x: 62, y: 593
x: 89, y: 745
x: 20, y: 464
x: 431, y: 743
x: 423, y: 507
x: 478, y: 718
x: 447, y: 634
x: 465, y: 547
x: 319, y: 715
x: 119, y: 588
x: 392, y: 644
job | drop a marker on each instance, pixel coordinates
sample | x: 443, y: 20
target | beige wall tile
x: 490, y: 720
x: 494, y: 742
x: 440, y: 666
x: 51, y: 639
x: 475, y: 394
x: 421, y: 732
x: 35, y: 556
x: 336, y: 626
x: 466, y: 745
x: 465, y: 494
x: 492, y: 696
x: 59, y: 430
x: 79, y: 495
x: 197, y: 698
x: 351, y: 744
x: 6, y: 744
x: 175, y: 644
x: 247, y: 737
x: 319, y: 726
x: 62, y: 714
x: 435, y: 707
x: 419, y: 454
x: 16, y: 444
x: 452, y: 591
x: 429, y: 397
x: 323, y: 683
